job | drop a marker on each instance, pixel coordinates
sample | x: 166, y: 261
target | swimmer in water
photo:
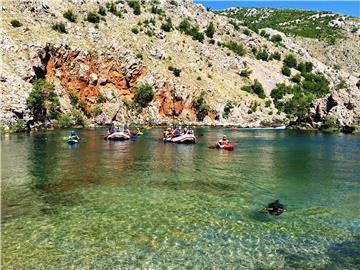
x: 275, y: 208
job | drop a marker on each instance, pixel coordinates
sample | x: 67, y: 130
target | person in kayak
x: 223, y: 141
x: 73, y: 135
x: 275, y: 208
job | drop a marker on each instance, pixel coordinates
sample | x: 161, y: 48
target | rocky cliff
x: 96, y: 55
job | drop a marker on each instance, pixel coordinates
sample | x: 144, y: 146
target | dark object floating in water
x: 275, y: 208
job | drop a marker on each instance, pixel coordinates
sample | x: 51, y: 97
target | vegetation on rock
x: 69, y: 15
x: 143, y: 95
x: 200, y: 105
x: 15, y: 23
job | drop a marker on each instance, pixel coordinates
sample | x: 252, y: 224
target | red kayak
x: 225, y: 146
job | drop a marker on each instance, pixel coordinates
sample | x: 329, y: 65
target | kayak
x: 140, y: 133
x: 117, y: 136
x: 72, y: 141
x: 225, y: 146
x: 186, y: 138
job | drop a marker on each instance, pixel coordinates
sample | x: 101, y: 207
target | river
x: 148, y: 205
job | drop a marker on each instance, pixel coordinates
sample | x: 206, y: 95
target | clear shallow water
x: 145, y: 204
x: 338, y: 6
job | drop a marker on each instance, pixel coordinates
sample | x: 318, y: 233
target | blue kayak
x: 72, y: 141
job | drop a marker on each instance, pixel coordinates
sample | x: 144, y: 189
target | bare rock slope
x: 100, y: 63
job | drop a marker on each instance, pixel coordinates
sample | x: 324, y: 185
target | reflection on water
x: 149, y: 204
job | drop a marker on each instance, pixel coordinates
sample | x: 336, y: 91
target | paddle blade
x: 65, y: 138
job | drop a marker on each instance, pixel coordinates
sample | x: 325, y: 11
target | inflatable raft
x: 117, y: 136
x: 186, y: 138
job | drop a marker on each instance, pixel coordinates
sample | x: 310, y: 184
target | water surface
x: 150, y: 205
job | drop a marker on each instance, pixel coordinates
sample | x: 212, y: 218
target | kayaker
x: 275, y: 208
x: 73, y: 135
x: 223, y: 141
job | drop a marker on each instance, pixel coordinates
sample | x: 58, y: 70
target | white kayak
x: 118, y: 136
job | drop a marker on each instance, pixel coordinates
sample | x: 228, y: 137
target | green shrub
x: 149, y: 33
x: 139, y: 55
x: 173, y: 2
x: 102, y: 11
x: 254, y: 50
x: 268, y: 103
x: 78, y: 118
x: 193, y: 31
x: 316, y: 84
x: 185, y: 26
x: 82, y: 104
x: 329, y: 122
x: 296, y: 78
x: 199, y: 103
x: 341, y: 85
x: 258, y: 89
x: 43, y: 101
x: 247, y: 32
x: 40, y: 93
x: 229, y: 105
x: 305, y: 67
x: 98, y: 111
x: 276, y: 56
x: 235, y: 47
x: 111, y: 7
x: 290, y: 61
x: 135, y: 30
x: 262, y: 55
x: 64, y: 121
x: 276, y: 38
x: 69, y: 15
x: 143, y: 95
x: 92, y: 17
x: 313, y: 86
x: 59, y: 27
x: 135, y: 5
x: 74, y: 99
x: 212, y: 42
x: 286, y: 70
x: 101, y: 98
x: 167, y: 26
x: 235, y: 24
x: 15, y: 23
x: 176, y: 72
x: 157, y: 10
x: 247, y: 88
x: 245, y: 73
x: 210, y: 30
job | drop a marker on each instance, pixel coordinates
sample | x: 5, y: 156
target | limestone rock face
x: 343, y: 105
x: 103, y: 64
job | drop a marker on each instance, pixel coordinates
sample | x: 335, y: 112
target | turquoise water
x: 148, y: 205
x: 338, y: 6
